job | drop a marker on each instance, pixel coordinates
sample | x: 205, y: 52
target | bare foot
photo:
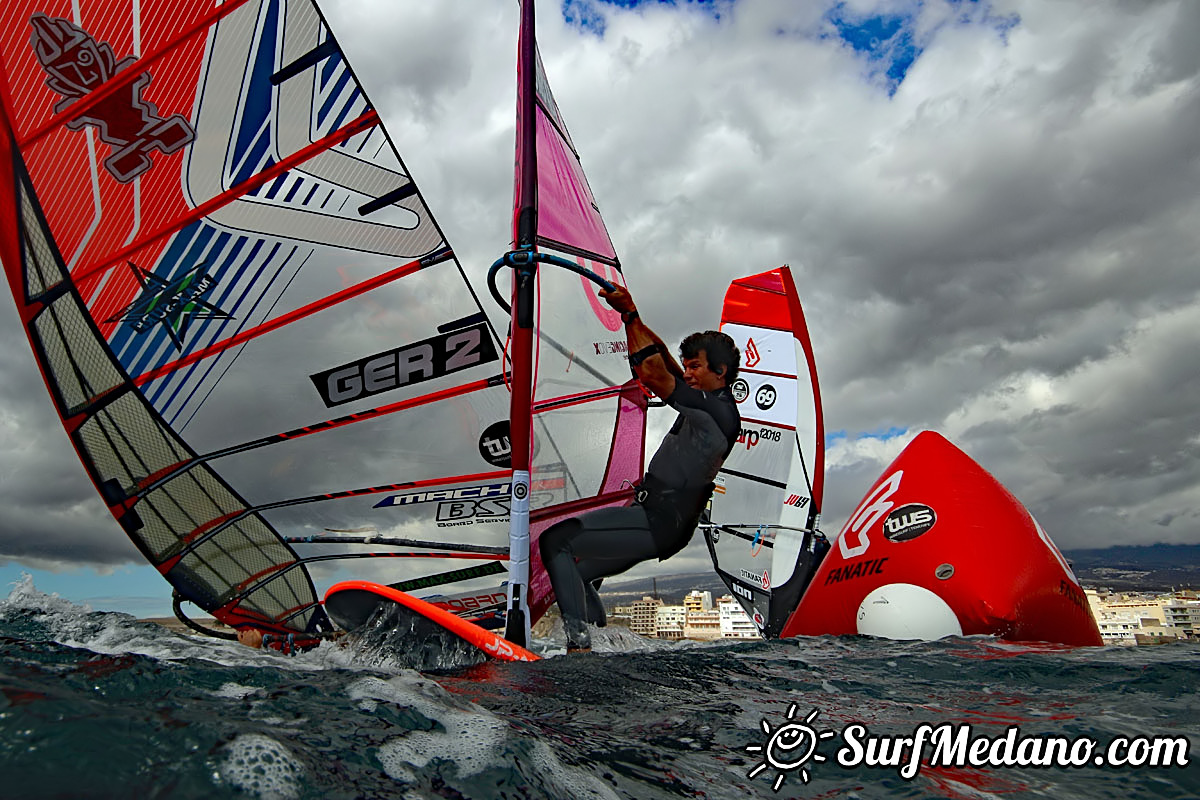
x: 251, y: 637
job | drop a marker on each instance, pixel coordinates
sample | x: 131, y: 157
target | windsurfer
x: 671, y: 497
x: 288, y: 644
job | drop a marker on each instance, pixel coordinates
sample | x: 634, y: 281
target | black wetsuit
x: 669, y: 502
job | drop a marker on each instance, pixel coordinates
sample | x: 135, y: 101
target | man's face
x: 697, y: 374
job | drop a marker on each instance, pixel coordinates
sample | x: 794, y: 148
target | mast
x: 524, y: 277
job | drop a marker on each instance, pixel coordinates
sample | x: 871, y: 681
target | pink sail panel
x: 568, y: 218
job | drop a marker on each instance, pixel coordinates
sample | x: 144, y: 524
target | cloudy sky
x: 990, y: 209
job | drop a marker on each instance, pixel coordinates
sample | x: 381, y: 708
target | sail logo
x: 464, y: 493
x: 172, y: 303
x: 751, y: 354
x: 608, y: 348
x: 77, y: 65
x: 545, y: 491
x: 748, y: 438
x: 464, y: 512
x: 610, y: 318
x: 763, y: 580
x: 741, y: 590
x: 876, y: 504
x: 908, y: 522
x: 765, y: 397
x: 873, y: 566
x: 751, y: 438
x: 797, y: 500
x: 495, y: 445
x: 418, y: 362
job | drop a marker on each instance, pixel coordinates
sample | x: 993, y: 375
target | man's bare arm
x: 650, y: 357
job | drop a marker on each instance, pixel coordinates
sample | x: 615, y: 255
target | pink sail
x: 568, y: 218
x: 553, y: 206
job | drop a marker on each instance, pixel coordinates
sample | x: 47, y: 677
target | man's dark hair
x: 718, y: 348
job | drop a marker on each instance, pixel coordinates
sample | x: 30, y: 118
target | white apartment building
x: 1120, y: 629
x: 1183, y: 614
x: 669, y: 622
x: 734, y: 622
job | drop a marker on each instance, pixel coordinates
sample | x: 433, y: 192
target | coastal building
x: 1183, y: 614
x: 734, y: 622
x: 643, y: 616
x: 669, y: 622
x: 704, y: 625
x: 1132, y: 618
x: 1118, y: 629
x: 1141, y: 606
x: 697, y: 600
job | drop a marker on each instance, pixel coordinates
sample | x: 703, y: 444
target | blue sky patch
x: 138, y: 590
x: 883, y: 434
x: 888, y: 41
x: 588, y: 15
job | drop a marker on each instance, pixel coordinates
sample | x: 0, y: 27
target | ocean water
x: 99, y: 705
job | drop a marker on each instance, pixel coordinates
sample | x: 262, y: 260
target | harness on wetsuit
x: 673, y: 513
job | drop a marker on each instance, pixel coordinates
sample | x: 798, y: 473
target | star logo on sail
x: 172, y: 303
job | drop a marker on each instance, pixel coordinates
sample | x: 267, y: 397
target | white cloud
x: 1003, y: 250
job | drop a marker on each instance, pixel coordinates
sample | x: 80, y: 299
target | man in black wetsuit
x: 677, y: 486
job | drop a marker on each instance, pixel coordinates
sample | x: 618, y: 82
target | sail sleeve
x: 249, y: 321
x: 550, y: 177
x: 587, y: 417
x: 768, y: 495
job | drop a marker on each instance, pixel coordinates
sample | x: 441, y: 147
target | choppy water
x: 100, y: 705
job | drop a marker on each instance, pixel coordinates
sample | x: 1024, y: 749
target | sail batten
x: 237, y: 191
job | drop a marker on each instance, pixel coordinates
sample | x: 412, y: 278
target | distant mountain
x: 1154, y: 556
x: 671, y: 588
x: 1158, y: 567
